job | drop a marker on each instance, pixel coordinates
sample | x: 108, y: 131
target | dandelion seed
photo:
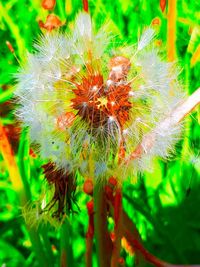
x: 87, y: 111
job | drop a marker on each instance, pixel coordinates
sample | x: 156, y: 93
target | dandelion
x: 88, y: 105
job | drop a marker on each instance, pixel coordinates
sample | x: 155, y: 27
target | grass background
x: 163, y: 204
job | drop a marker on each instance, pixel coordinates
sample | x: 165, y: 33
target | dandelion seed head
x: 86, y: 110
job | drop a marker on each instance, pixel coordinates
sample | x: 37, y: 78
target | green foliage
x: 164, y: 204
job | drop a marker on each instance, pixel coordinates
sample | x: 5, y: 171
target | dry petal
x: 52, y: 22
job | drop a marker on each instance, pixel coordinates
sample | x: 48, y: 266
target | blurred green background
x: 163, y: 204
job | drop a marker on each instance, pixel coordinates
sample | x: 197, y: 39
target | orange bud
x: 52, y: 22
x: 88, y: 187
x: 53, y: 247
x: 10, y: 47
x: 158, y: 42
x: 156, y: 21
x: 48, y: 4
x: 190, y: 30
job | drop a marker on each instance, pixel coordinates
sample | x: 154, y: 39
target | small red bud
x: 112, y: 236
x: 10, y: 47
x: 90, y: 207
x: 156, y: 21
x: 121, y: 261
x: 32, y: 153
x: 112, y: 181
x: 88, y: 187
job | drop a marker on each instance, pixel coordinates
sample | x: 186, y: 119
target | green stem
x: 103, y: 242
x: 38, y: 247
x: 66, y: 257
x: 47, y: 245
x: 186, y: 144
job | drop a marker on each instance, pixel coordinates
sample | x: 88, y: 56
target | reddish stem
x: 103, y: 241
x: 90, y: 233
x: 118, y: 227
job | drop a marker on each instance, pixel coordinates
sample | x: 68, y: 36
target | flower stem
x: 90, y: 234
x: 118, y: 227
x: 66, y: 256
x: 103, y: 241
x: 14, y: 29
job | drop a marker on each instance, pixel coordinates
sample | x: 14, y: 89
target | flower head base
x: 88, y: 110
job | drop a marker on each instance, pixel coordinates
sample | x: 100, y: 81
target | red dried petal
x: 32, y: 153
x: 52, y: 22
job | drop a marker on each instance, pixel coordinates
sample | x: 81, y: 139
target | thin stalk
x: 47, y: 245
x: 171, y: 30
x: 14, y: 29
x: 187, y: 128
x: 103, y: 241
x: 38, y: 248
